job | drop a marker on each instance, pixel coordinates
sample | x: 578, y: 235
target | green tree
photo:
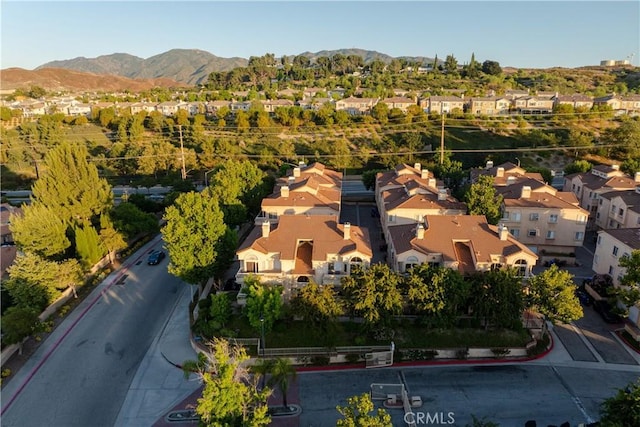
x: 483, y: 199
x: 552, y: 293
x: 71, y: 187
x: 229, y: 397
x: 373, y: 293
x: 630, y: 166
x: 437, y: 292
x: 264, y: 303
x: 130, y: 220
x: 359, y: 413
x: 623, y: 409
x: 317, y: 304
x: 282, y: 372
x: 627, y: 136
x: 194, y: 225
x: 220, y: 311
x: 110, y: 237
x: 17, y: 323
x: 628, y: 293
x: 579, y: 166
x: 369, y: 178
x: 451, y: 65
x: 36, y: 282
x: 496, y: 298
x: 88, y: 245
x: 491, y: 67
x: 40, y: 229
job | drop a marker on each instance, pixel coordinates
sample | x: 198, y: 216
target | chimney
x: 420, y: 232
x: 442, y: 194
x: 489, y: 164
x: 266, y: 227
x: 526, y: 192
x: 637, y: 177
x: 296, y: 172
x: 417, y: 166
x: 432, y: 182
x: 347, y: 231
x: 500, y: 172
x: 511, y: 179
x: 424, y: 173
x: 503, y: 232
x: 615, y: 167
x: 284, y: 191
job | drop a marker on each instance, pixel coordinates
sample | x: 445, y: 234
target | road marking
x: 575, y: 398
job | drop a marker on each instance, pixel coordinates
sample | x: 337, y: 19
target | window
x: 600, y: 202
x: 533, y: 217
x: 355, y: 262
x: 251, y: 265
x: 615, y: 251
x: 553, y: 218
x: 521, y: 267
x: 610, y: 270
x: 515, y: 232
x: 532, y: 233
x: 515, y: 216
x: 613, y: 208
x: 579, y: 235
x: 626, y: 254
x: 410, y: 263
x: 599, y: 240
x: 551, y: 234
x: 505, y: 215
x: 392, y: 218
x: 620, y: 212
x: 573, y: 187
x: 273, y: 215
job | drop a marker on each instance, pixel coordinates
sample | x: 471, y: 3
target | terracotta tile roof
x: 402, y: 175
x: 397, y: 198
x: 628, y: 236
x: 324, y: 231
x: 542, y: 196
x: 325, y: 176
x: 442, y: 232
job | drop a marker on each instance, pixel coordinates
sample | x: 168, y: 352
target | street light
x: 262, y: 342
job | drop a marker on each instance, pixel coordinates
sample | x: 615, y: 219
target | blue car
x: 155, y: 257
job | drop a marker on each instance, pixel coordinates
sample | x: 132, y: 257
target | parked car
x: 583, y: 296
x: 155, y: 257
x: 603, y: 308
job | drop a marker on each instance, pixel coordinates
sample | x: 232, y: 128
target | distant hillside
x: 367, y: 55
x: 190, y: 66
x: 58, y: 79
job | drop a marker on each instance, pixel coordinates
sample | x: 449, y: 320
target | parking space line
x: 587, y: 343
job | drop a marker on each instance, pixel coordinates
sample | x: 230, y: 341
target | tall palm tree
x: 281, y: 371
x: 261, y: 368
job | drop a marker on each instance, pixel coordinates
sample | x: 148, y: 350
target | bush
x: 320, y: 360
x: 501, y: 352
x: 353, y: 358
x: 462, y: 353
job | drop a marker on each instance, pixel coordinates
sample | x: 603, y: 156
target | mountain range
x: 189, y: 66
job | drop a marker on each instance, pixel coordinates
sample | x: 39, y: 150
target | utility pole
x: 184, y: 169
x: 442, y: 135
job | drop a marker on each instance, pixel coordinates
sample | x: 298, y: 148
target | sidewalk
x: 159, y: 383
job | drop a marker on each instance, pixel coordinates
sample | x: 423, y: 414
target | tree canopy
x: 552, y: 293
x: 483, y: 199
x: 359, y: 412
x: 193, y: 229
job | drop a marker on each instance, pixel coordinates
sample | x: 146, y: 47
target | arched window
x: 302, y: 279
x: 251, y: 264
x: 521, y: 267
x: 355, y: 262
x: 410, y: 263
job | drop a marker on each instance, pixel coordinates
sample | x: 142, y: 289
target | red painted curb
x: 470, y: 362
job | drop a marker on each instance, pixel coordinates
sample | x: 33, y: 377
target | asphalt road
x: 82, y: 376
x: 509, y: 395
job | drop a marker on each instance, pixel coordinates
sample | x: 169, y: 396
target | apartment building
x: 611, y: 245
x: 466, y: 243
x: 619, y: 209
x: 301, y: 248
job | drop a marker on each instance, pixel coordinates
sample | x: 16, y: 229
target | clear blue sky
x: 522, y: 34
